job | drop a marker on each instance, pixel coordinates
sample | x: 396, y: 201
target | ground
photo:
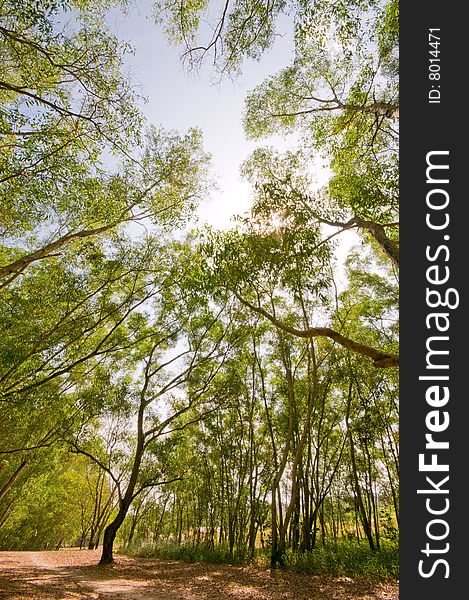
x: 74, y: 575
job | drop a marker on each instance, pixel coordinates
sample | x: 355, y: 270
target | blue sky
x: 179, y: 100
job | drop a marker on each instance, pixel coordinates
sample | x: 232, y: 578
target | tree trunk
x: 9, y: 484
x: 124, y: 504
x: 358, y: 495
x: 110, y: 533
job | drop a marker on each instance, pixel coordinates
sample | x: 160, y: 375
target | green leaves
x: 173, y: 176
x: 237, y: 30
x: 160, y: 357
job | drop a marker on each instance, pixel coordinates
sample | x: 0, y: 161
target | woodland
x: 188, y: 392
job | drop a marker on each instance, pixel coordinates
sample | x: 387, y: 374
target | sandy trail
x: 74, y: 574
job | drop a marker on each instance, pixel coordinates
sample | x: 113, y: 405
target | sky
x: 179, y: 100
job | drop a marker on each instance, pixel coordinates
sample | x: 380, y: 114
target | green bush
x: 348, y: 558
x: 191, y: 553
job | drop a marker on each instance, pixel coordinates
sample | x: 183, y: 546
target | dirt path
x: 74, y: 574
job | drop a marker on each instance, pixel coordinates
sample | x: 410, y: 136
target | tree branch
x: 380, y: 359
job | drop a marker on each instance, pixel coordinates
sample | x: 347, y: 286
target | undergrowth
x: 342, y: 559
x: 350, y: 559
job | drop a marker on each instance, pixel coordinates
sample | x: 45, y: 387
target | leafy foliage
x: 205, y: 395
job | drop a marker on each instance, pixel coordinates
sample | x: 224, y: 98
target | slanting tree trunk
x: 110, y: 535
x: 111, y: 530
x: 376, y: 230
x: 387, y: 245
x: 125, y: 501
x: 11, y: 481
x: 20, y: 264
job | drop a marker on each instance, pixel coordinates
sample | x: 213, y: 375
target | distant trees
x: 52, y: 503
x: 303, y: 450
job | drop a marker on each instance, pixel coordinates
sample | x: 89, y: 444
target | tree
x: 342, y: 91
x: 163, y: 187
x: 62, y: 87
x: 213, y: 388
x: 50, y: 506
x: 232, y: 31
x: 266, y: 258
x: 236, y: 30
x: 172, y: 369
x: 76, y: 159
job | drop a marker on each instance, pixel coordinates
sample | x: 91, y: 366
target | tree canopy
x: 218, y: 389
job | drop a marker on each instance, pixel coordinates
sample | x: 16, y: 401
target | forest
x: 181, y: 391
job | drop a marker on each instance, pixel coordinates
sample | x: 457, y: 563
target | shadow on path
x: 73, y: 574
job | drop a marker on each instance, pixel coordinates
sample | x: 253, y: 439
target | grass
x: 350, y: 559
x: 190, y: 553
x: 346, y: 558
